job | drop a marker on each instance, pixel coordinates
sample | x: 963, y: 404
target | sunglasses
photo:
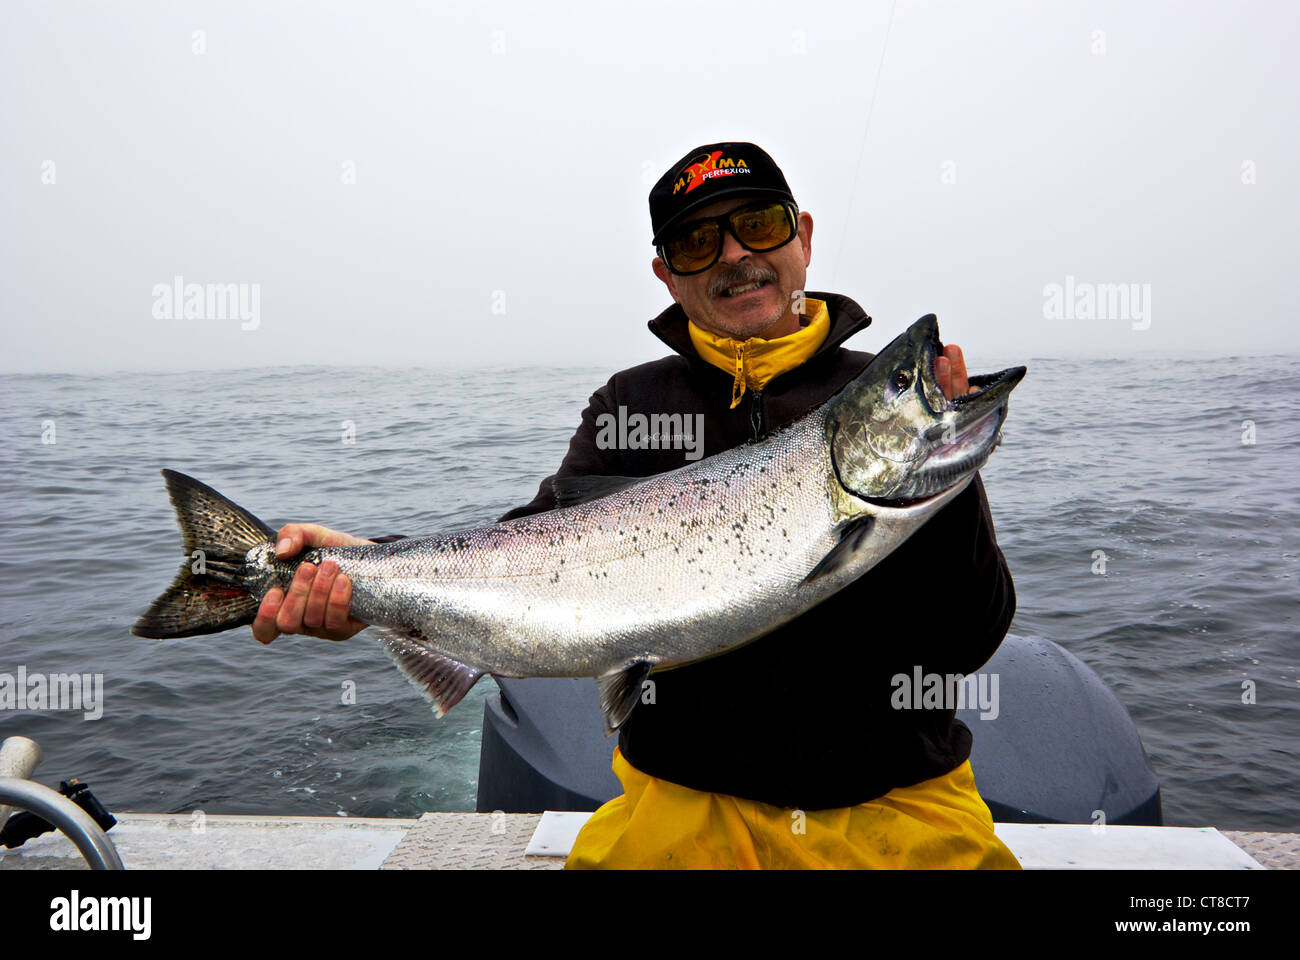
x: 696, y: 246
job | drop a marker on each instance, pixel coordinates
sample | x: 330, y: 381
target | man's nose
x: 732, y: 251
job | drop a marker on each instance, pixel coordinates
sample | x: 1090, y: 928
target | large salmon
x: 630, y: 575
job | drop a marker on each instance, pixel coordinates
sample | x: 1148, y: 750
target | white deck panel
x: 1075, y: 846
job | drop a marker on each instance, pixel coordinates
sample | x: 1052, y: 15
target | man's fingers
x: 318, y: 600
x: 314, y: 613
x: 264, y: 629
x: 289, y: 620
x: 289, y: 540
x: 958, y: 381
x: 340, y: 599
x: 943, y: 374
x: 294, y: 536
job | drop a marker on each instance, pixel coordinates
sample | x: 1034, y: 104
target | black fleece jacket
x: 802, y: 717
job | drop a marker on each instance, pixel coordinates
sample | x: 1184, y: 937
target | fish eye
x: 902, y: 379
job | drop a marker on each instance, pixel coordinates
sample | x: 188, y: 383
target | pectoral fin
x: 852, y: 539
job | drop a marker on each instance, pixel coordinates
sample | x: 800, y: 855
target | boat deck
x: 499, y: 841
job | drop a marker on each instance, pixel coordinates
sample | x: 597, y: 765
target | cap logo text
x: 706, y: 168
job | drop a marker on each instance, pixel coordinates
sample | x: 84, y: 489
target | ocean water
x: 1149, y: 511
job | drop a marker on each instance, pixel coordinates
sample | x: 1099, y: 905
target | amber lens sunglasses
x: 697, y: 245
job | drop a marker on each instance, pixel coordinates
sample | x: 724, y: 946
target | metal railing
x: 69, y: 818
x: 18, y: 757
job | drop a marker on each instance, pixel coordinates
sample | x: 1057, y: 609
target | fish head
x: 895, y: 438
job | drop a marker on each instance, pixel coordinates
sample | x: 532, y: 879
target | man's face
x: 718, y: 300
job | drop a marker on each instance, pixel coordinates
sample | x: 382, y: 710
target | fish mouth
x: 968, y: 431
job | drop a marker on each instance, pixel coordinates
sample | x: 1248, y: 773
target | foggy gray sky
x: 501, y: 155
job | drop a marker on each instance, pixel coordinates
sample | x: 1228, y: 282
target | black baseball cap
x: 706, y: 175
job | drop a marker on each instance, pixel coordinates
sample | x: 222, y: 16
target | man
x: 788, y: 751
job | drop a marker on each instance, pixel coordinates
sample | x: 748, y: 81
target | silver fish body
x: 681, y: 567
x: 658, y: 573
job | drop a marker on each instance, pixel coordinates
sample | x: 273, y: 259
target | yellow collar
x: 755, y: 362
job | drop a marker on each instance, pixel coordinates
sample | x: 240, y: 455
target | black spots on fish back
x: 454, y: 545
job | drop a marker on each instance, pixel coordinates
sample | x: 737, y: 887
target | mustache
x: 743, y: 272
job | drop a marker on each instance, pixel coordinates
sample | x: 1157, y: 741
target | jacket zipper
x: 756, y: 414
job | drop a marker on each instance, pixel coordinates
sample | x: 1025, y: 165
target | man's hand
x: 950, y: 371
x: 317, y: 601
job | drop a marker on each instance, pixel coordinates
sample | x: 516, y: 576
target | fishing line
x: 862, y: 149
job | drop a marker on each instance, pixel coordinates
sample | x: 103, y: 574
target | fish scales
x: 661, y: 572
x: 712, y: 549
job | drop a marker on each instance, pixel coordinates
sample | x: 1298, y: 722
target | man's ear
x: 663, y: 273
x: 805, y: 236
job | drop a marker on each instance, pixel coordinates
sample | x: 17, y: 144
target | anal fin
x: 440, y: 679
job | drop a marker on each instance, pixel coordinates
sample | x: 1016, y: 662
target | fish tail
x: 210, y: 593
